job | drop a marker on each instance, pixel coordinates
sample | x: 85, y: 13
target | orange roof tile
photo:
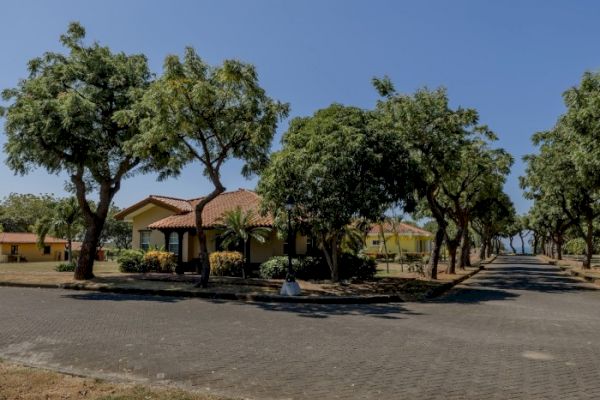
x: 26, y: 238
x: 402, y: 229
x: 213, y: 211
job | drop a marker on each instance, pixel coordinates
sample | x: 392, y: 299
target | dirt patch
x: 18, y: 382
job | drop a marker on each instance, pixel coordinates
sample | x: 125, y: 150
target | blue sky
x: 511, y: 60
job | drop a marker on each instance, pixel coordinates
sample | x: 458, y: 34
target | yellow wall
x: 409, y: 244
x: 259, y: 252
x: 141, y: 222
x: 32, y: 252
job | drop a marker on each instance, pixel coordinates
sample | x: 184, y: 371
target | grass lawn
x: 102, y: 267
x: 18, y: 382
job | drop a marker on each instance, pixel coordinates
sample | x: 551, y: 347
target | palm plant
x: 62, y: 222
x: 240, y: 227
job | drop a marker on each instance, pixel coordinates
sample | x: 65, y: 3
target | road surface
x: 519, y: 329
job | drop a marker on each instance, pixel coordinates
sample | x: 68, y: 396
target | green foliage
x: 240, y: 226
x: 226, y: 263
x: 159, y: 261
x: 131, y: 261
x: 115, y: 232
x: 67, y: 117
x: 337, y: 166
x: 575, y: 246
x: 351, y: 266
x: 64, y: 220
x: 20, y: 212
x: 65, y: 267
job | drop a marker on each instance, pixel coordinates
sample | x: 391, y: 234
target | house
x: 413, y: 240
x: 169, y: 223
x: 22, y: 246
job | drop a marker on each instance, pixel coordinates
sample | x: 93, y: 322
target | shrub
x: 351, y: 266
x: 159, y: 261
x: 226, y: 263
x: 65, y: 267
x: 131, y: 261
x: 359, y: 266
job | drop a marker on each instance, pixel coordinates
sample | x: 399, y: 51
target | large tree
x: 64, y: 117
x: 338, y: 166
x: 434, y: 133
x: 199, y: 113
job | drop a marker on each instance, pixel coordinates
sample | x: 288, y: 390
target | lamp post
x: 290, y: 286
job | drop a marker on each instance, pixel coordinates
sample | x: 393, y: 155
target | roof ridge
x: 167, y: 197
x: 228, y: 193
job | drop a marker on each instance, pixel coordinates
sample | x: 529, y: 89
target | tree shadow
x: 109, y: 296
x: 320, y: 311
x: 473, y: 295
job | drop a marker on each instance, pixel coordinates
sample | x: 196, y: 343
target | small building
x: 413, y: 240
x: 22, y: 246
x: 169, y: 223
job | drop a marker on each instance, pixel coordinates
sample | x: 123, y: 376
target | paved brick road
x: 518, y: 330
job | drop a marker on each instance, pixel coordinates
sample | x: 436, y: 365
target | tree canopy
x: 65, y: 117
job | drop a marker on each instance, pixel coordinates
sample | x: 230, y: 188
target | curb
x: 251, y: 297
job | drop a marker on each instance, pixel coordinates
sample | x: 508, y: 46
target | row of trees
x: 60, y: 217
x: 101, y: 117
x: 410, y: 151
x: 563, y: 178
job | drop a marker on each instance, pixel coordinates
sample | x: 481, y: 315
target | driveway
x: 519, y: 329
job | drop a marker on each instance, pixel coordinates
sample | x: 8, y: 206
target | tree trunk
x: 512, y: 247
x: 482, y: 250
x: 94, y: 223
x: 69, y: 251
x: 332, y: 259
x: 431, y: 271
x: 589, y: 243
x: 522, y: 243
x: 203, y: 253
x: 245, y: 263
x: 387, y: 261
x: 559, y: 245
x: 489, y: 249
x: 452, y: 245
x: 535, y: 244
x: 465, y: 251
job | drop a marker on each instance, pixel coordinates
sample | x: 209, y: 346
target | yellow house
x: 17, y: 246
x: 412, y: 240
x: 169, y: 223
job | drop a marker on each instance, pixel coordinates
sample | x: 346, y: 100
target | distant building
x: 413, y: 240
x: 22, y: 246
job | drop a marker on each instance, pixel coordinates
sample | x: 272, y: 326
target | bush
x: 351, y: 266
x: 303, y: 268
x: 226, y: 263
x: 159, y: 261
x: 359, y: 266
x: 65, y: 267
x: 131, y: 261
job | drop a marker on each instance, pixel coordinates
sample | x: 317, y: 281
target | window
x: 14, y: 250
x: 145, y: 240
x: 376, y: 242
x: 47, y: 250
x: 174, y: 243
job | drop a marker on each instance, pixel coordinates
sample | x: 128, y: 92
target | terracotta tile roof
x: 26, y: 238
x: 245, y: 199
x: 403, y: 228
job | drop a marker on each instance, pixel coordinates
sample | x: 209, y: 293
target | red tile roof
x: 213, y: 211
x: 402, y: 228
x: 26, y: 238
